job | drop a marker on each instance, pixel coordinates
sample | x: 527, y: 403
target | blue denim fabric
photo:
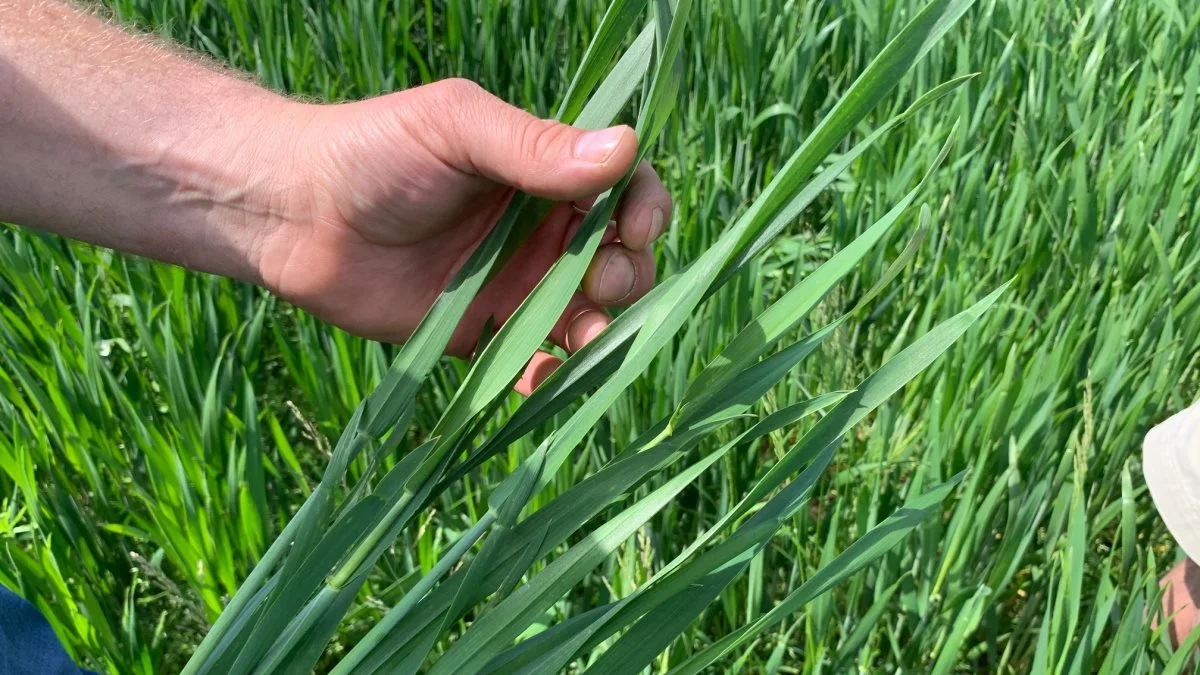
x: 28, y: 646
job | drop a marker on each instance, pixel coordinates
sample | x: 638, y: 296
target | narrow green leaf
x: 814, y: 449
x: 964, y: 625
x: 621, y: 14
x: 737, y: 393
x: 864, y: 551
x: 597, y: 360
x: 495, y: 630
x: 526, y: 329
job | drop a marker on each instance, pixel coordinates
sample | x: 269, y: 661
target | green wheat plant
x: 161, y: 428
x: 506, y: 571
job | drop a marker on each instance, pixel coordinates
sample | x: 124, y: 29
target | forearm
x: 113, y: 139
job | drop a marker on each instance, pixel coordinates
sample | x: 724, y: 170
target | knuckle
x: 458, y: 88
x: 445, y: 115
x: 541, y: 139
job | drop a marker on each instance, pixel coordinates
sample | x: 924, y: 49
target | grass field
x: 161, y: 427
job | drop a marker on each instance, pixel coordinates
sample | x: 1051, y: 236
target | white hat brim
x: 1171, y: 465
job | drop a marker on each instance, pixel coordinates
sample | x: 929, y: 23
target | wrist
x: 235, y: 184
x: 115, y: 140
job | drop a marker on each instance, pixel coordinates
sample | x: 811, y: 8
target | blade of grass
x: 864, y: 551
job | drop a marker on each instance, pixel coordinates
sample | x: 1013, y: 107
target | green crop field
x: 788, y: 513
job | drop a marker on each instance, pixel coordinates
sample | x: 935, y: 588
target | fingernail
x: 616, y: 279
x: 656, y: 223
x: 598, y: 146
x: 584, y: 328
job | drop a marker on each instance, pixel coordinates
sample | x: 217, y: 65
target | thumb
x: 542, y: 157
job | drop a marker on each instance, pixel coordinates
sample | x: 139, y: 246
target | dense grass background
x: 161, y: 426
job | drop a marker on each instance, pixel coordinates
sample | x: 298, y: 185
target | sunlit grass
x: 150, y: 457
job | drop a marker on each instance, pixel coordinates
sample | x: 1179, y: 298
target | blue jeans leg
x: 28, y: 646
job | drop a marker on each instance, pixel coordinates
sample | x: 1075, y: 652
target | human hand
x: 1181, y: 592
x: 388, y: 197
x: 360, y: 213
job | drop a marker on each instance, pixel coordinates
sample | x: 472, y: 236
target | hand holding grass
x: 359, y: 213
x: 402, y: 188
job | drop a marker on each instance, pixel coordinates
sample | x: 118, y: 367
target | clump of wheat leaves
x: 514, y: 563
